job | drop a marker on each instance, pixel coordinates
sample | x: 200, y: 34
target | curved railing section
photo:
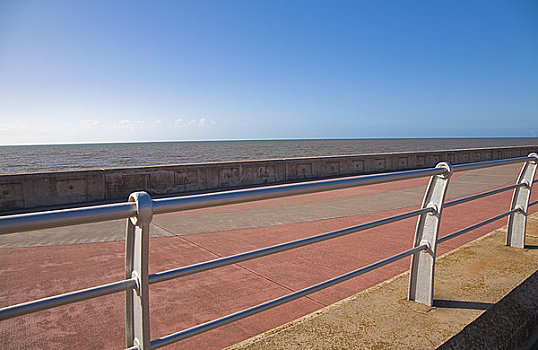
x: 140, y: 209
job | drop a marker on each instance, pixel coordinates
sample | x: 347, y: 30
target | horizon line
x: 269, y: 139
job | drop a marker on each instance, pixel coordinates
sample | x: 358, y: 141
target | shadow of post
x: 458, y: 304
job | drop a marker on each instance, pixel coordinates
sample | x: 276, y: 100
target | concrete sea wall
x: 67, y: 188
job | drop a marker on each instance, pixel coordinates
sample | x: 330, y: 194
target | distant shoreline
x: 275, y: 140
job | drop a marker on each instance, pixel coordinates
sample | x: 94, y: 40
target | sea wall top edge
x: 96, y: 171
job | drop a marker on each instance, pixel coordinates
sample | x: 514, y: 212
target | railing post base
x: 517, y: 222
x: 423, y: 262
x: 136, y: 266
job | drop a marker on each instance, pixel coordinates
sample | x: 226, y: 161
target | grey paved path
x: 312, y: 207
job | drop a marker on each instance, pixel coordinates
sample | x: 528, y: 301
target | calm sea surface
x: 16, y: 159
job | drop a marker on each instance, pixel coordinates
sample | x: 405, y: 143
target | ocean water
x: 35, y: 158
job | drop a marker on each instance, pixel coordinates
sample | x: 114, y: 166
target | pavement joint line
x: 280, y: 284
x: 249, y: 270
x: 170, y: 232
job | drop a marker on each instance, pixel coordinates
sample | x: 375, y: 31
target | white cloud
x: 190, y: 123
x: 98, y: 130
x: 90, y: 122
x: 127, y: 124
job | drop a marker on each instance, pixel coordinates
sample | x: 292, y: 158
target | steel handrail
x: 481, y: 195
x: 107, y: 212
x: 187, y: 333
x: 491, y: 163
x: 168, y: 205
x: 66, y: 217
x: 475, y: 226
x: 66, y: 298
x: 229, y: 260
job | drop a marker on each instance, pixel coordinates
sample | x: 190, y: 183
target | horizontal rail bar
x: 67, y: 298
x: 204, y: 327
x: 167, y: 205
x: 212, y: 264
x: 65, y: 217
x: 490, y: 163
x: 475, y: 226
x: 481, y: 195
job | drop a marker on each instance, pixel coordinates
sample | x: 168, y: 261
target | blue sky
x: 105, y: 71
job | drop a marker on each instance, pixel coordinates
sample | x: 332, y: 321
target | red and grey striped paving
x: 47, y: 262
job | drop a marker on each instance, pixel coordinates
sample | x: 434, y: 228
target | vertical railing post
x: 136, y: 266
x: 423, y: 262
x: 517, y: 222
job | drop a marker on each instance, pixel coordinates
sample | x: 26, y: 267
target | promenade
x: 47, y: 262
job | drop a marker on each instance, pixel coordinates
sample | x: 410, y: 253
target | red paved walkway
x: 30, y: 273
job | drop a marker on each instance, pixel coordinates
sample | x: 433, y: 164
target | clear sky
x: 104, y: 71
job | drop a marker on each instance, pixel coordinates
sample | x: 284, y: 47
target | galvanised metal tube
x: 65, y: 217
x: 212, y: 264
x: 481, y: 195
x: 490, y: 163
x: 167, y: 205
x: 67, y: 298
x: 475, y: 226
x: 204, y: 327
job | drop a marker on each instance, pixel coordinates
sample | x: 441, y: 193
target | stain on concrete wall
x: 229, y: 177
x: 11, y: 195
x: 358, y: 166
x: 333, y: 168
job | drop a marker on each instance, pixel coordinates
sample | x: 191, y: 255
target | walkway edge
x: 469, y: 280
x: 512, y: 323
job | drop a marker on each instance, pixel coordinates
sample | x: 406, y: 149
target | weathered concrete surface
x: 468, y: 281
x: 64, y: 188
x: 32, y: 190
x: 512, y: 323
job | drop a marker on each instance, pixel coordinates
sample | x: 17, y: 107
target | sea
x: 38, y: 158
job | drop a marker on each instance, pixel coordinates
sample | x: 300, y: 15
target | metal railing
x: 140, y: 209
